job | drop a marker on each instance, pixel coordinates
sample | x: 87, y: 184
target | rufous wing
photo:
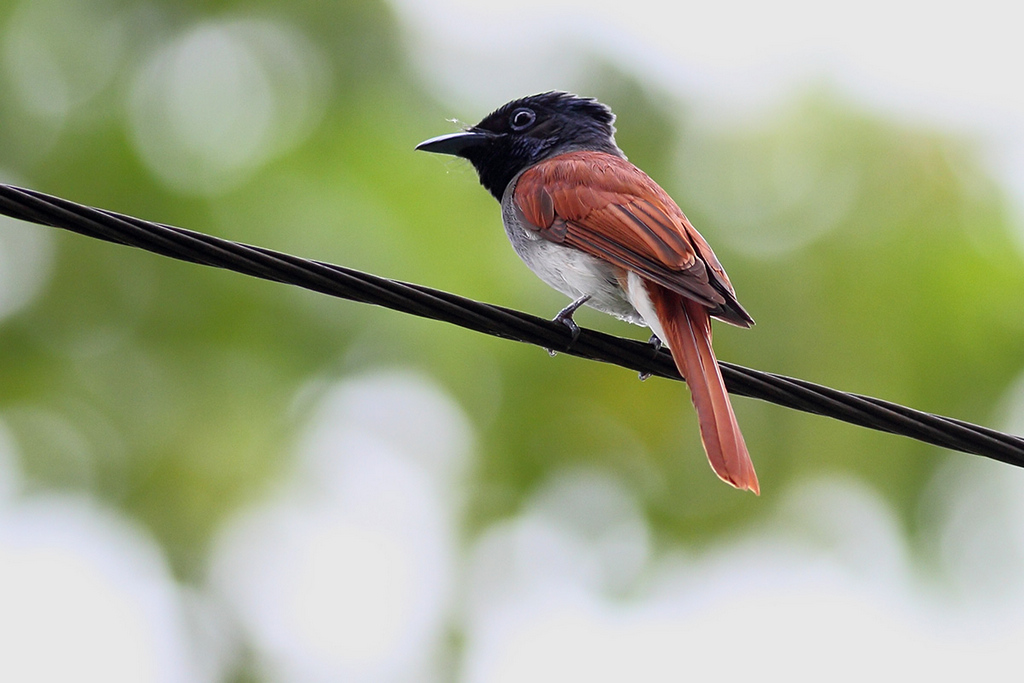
x: 605, y: 206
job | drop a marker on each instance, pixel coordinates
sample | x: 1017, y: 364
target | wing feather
x: 605, y: 206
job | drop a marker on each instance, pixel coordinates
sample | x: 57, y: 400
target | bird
x: 598, y: 229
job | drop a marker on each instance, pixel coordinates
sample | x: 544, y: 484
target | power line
x: 346, y: 283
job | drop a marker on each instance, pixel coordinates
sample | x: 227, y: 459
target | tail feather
x: 687, y: 326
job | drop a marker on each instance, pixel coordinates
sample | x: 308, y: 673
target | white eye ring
x: 522, y: 119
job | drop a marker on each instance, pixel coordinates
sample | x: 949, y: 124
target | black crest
x: 551, y: 105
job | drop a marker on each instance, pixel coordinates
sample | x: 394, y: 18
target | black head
x: 528, y: 130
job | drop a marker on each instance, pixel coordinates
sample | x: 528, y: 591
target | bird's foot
x: 656, y: 346
x: 565, y: 317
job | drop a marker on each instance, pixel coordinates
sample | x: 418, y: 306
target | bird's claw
x: 656, y: 345
x: 574, y: 329
x: 565, y: 317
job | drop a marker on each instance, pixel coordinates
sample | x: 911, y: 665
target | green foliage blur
x: 876, y: 257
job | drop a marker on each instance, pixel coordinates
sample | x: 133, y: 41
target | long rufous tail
x: 688, y: 327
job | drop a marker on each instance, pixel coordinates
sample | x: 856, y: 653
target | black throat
x: 498, y: 162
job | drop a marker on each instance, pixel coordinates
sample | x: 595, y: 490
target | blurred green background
x: 876, y: 257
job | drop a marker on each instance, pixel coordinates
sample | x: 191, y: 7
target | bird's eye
x: 522, y: 119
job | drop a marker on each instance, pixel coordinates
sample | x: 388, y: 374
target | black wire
x: 354, y: 285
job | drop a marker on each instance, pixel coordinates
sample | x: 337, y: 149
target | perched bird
x: 598, y: 229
